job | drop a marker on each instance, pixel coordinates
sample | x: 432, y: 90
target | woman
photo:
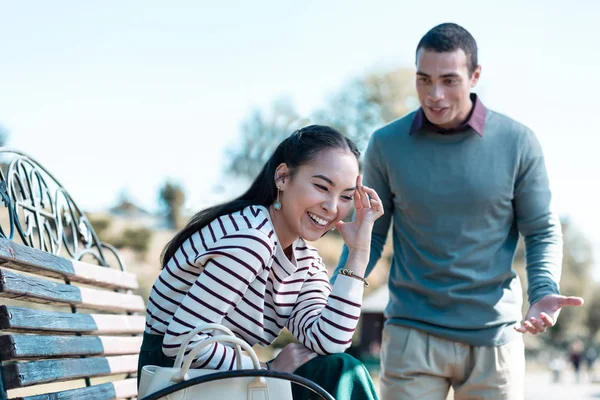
x: 245, y: 264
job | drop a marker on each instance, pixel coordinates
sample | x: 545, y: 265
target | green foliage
x: 593, y: 312
x: 137, y: 239
x: 366, y: 104
x: 101, y: 226
x: 171, y: 199
x: 261, y: 133
x: 356, y: 110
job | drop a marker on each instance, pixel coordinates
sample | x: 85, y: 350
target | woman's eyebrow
x: 326, y: 179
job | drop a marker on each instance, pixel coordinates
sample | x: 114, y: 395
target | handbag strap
x: 205, y: 327
x: 182, y: 375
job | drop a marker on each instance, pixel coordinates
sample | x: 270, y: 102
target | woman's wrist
x: 353, y: 275
x: 267, y: 365
x: 357, y: 261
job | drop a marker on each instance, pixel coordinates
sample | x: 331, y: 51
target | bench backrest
x: 65, y: 314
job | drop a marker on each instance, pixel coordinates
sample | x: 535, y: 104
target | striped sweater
x: 235, y: 273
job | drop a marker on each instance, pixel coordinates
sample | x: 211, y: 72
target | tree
x: 171, y: 200
x: 356, y: 110
x: 576, y: 278
x: 365, y: 104
x: 135, y: 238
x: 593, y: 313
x: 260, y: 134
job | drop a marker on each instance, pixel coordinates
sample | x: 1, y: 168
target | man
x: 460, y: 183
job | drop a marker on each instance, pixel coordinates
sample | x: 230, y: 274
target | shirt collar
x: 476, y: 120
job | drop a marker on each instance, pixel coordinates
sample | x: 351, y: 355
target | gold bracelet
x: 351, y: 274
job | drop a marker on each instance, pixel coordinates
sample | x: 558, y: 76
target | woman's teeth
x: 318, y: 220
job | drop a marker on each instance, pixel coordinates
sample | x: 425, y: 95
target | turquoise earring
x: 277, y: 204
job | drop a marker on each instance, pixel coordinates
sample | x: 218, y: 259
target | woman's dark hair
x: 298, y: 149
x: 449, y: 37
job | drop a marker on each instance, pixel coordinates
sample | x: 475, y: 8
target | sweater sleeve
x: 536, y: 221
x: 230, y: 265
x: 324, y: 318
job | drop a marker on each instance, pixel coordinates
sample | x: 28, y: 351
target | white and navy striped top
x: 234, y: 272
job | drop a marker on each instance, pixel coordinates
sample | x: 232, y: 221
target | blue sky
x: 117, y: 95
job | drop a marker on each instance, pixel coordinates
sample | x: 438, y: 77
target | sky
x: 114, y: 96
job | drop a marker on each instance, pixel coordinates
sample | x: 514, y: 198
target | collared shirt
x: 476, y: 120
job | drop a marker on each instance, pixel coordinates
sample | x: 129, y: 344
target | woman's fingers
x: 357, y: 193
x: 375, y: 201
x: 362, y: 196
x: 302, y: 355
x: 357, y: 199
x: 375, y: 205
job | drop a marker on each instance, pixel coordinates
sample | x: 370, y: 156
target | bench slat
x: 21, y: 319
x: 111, y: 390
x: 22, y: 287
x: 24, y: 258
x: 18, y: 347
x: 24, y: 374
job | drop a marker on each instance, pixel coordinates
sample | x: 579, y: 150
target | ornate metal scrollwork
x: 42, y: 213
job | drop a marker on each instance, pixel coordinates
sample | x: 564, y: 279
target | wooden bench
x: 68, y: 315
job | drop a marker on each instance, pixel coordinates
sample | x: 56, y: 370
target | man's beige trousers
x: 416, y: 365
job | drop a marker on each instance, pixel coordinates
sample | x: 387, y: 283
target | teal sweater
x: 458, y: 203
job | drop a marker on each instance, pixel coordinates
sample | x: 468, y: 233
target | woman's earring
x: 277, y: 204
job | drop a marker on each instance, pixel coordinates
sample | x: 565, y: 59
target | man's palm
x: 543, y: 313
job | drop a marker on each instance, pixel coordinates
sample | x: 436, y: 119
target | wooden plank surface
x: 19, y: 347
x: 24, y: 258
x: 29, y: 288
x: 22, y: 319
x: 23, y: 374
x: 111, y: 390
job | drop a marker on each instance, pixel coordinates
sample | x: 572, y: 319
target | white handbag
x: 154, y: 378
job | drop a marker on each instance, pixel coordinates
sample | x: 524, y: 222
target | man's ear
x: 281, y: 175
x: 475, y: 76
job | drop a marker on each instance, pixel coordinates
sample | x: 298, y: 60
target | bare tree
x: 365, y: 104
x: 356, y: 110
x: 261, y: 133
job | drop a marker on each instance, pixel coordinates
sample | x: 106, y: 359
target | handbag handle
x: 183, y: 376
x: 206, y: 327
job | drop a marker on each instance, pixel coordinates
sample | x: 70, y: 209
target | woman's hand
x: 357, y: 234
x: 292, y: 357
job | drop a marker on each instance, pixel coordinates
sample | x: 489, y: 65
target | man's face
x: 444, y: 86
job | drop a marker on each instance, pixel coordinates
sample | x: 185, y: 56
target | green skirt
x: 342, y: 375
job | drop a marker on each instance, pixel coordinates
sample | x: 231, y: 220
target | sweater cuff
x: 540, y: 291
x: 348, y: 288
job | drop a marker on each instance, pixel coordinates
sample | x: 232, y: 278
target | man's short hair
x: 450, y: 37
